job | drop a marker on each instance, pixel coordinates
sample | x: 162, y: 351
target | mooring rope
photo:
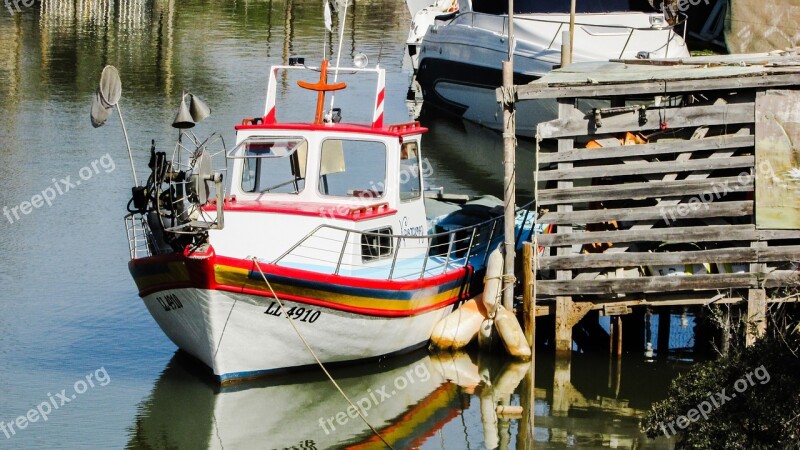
x: 322, y: 366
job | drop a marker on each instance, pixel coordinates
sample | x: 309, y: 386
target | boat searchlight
x: 360, y: 60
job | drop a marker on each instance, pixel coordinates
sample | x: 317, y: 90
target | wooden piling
x: 525, y: 434
x: 664, y: 319
x: 528, y: 300
x: 756, y: 315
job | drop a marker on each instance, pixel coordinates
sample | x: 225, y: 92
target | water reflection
x: 415, y: 401
x: 405, y: 399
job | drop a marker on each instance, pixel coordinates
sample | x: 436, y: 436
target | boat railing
x: 343, y: 251
x: 499, y: 24
x: 137, y: 230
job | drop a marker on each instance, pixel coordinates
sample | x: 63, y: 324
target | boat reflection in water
x: 406, y: 399
x: 444, y: 400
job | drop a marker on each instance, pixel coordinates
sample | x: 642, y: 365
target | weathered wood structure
x: 668, y: 183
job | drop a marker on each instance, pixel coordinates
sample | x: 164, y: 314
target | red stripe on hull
x: 202, y: 276
x: 338, y: 306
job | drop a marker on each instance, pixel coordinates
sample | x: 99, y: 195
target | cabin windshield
x: 272, y: 165
x: 560, y: 6
x: 352, y: 168
x: 410, y: 179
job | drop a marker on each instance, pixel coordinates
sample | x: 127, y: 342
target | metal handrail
x: 308, y: 235
x: 472, y: 14
x: 454, y: 245
x: 138, y: 233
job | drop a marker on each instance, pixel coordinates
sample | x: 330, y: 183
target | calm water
x: 76, y: 341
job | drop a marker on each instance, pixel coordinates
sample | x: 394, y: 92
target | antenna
x: 342, y: 25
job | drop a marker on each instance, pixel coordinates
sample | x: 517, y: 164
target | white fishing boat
x: 459, y: 54
x: 324, y: 224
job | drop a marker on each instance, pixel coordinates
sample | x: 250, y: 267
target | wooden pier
x: 667, y: 183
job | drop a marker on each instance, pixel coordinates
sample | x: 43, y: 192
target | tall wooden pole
x: 509, y: 162
x: 571, y: 30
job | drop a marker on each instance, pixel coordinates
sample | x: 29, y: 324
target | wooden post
x: 564, y: 304
x: 525, y: 427
x: 611, y: 329
x: 528, y: 300
x: 756, y: 304
x: 562, y: 385
x: 571, y: 29
x: 566, y: 57
x: 756, y: 315
x: 525, y: 433
x: 664, y: 318
x: 563, y: 326
x: 509, y: 183
x: 619, y: 337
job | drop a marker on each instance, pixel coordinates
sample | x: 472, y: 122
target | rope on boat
x: 219, y: 343
x: 322, y: 366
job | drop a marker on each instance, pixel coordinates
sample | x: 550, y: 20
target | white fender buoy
x: 459, y: 328
x: 511, y: 333
x: 457, y: 368
x: 487, y: 335
x: 512, y: 375
x: 509, y: 412
x: 491, y: 437
x: 493, y: 286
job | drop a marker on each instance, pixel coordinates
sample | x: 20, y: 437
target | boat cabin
x: 297, y: 182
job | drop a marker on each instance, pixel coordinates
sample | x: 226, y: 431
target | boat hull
x: 244, y: 336
x: 221, y: 312
x: 470, y: 91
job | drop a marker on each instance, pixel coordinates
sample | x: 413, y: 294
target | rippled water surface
x: 76, y: 341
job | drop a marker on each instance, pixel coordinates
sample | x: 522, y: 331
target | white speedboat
x: 460, y: 58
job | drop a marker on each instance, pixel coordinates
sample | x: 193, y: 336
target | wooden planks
x: 687, y: 234
x: 647, y: 284
x: 677, y: 117
x: 686, y: 200
x: 718, y: 187
x: 643, y: 168
x: 668, y: 283
x: 643, y: 259
x: 717, y: 209
x: 709, y: 233
x: 654, y: 149
x: 587, y: 89
x: 778, y: 152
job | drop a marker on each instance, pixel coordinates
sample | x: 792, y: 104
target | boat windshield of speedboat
x: 560, y: 6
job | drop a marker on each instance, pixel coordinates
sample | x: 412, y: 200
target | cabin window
x: 410, y: 179
x: 272, y: 165
x: 352, y: 168
x: 376, y: 244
